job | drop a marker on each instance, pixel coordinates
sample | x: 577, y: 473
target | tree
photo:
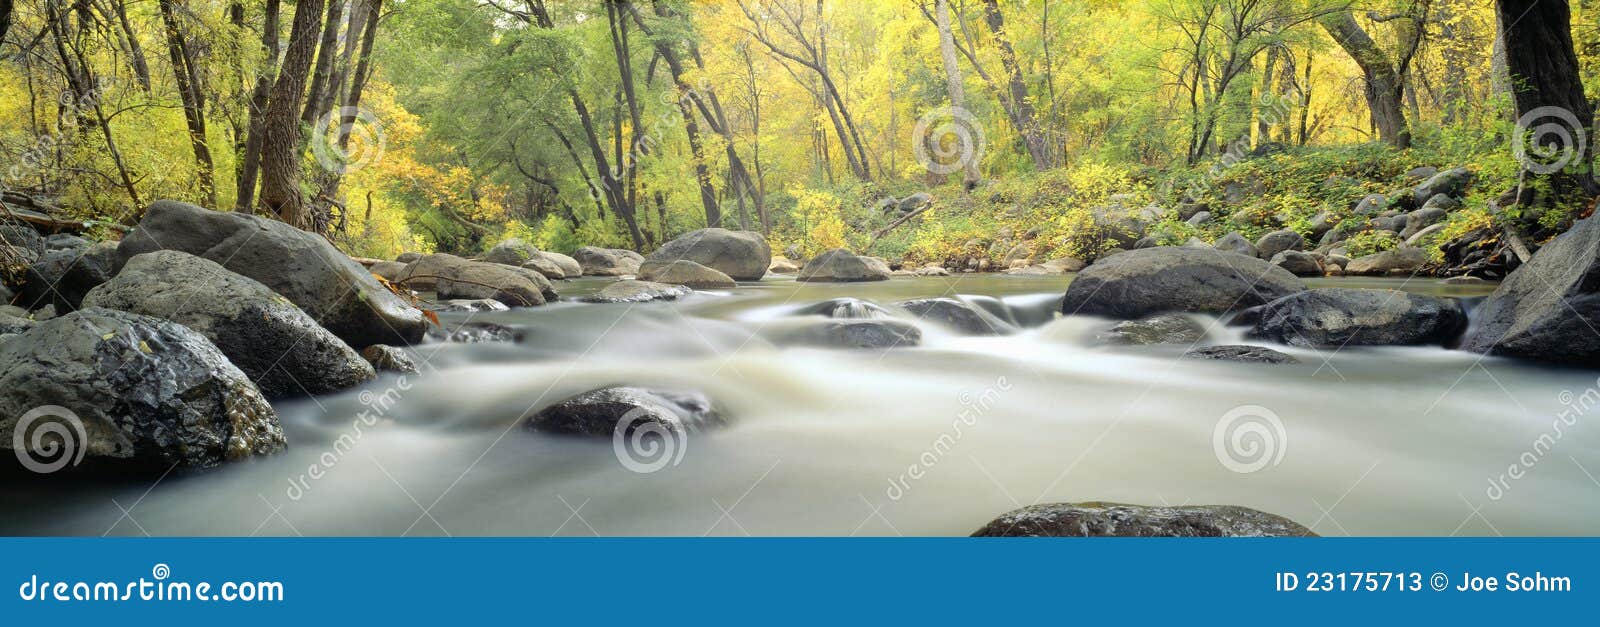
x: 5, y: 18
x: 281, y: 141
x: 187, y: 74
x: 1385, y: 77
x: 250, y: 159
x: 952, y: 74
x: 1547, y: 88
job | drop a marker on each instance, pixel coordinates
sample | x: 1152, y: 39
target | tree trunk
x: 952, y: 75
x: 358, y: 84
x: 280, y: 142
x: 1020, y: 106
x: 5, y: 18
x: 1385, y: 90
x: 326, y: 51
x: 194, y: 115
x: 250, y: 160
x: 141, y: 68
x: 1548, y: 90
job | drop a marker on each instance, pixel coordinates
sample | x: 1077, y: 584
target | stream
x: 931, y: 440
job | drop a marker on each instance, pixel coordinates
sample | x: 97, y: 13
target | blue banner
x: 811, y: 581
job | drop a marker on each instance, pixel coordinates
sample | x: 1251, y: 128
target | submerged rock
x: 277, y: 345
x: 631, y: 291
x: 1548, y: 309
x: 1160, y: 329
x: 844, y: 308
x: 1355, y: 317
x: 840, y: 265
x: 148, y: 394
x: 1096, y: 519
x: 967, y: 319
x: 854, y: 334
x: 621, y: 411
x: 1241, y: 353
x: 467, y: 305
x: 1139, y: 283
x: 475, y: 332
x: 741, y: 255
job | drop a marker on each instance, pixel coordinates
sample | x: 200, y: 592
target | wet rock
x: 854, y: 334
x: 957, y: 315
x: 685, y: 273
x: 605, y: 261
x: 389, y: 359
x: 629, y: 412
x: 1405, y: 259
x: 845, y: 309
x: 281, y: 349
x: 1241, y: 353
x: 511, y: 252
x: 1452, y: 182
x: 1234, y: 242
x: 62, y: 277
x: 742, y: 255
x: 1096, y: 519
x: 1140, y: 283
x: 1548, y: 308
x: 475, y: 333
x: 1298, y: 263
x: 1161, y: 329
x: 1355, y: 317
x: 149, y: 394
x: 570, y: 268
x: 303, y: 267
x: 468, y: 306
x: 637, y: 292
x: 840, y: 265
x: 516, y: 287
x: 1277, y: 242
x: 423, y: 273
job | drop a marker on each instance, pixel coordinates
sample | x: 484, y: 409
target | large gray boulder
x: 1140, y: 283
x: 1421, y: 219
x: 1234, y: 242
x: 303, y: 267
x: 957, y: 315
x: 1402, y: 260
x: 1278, y: 241
x: 423, y: 273
x: 631, y: 412
x: 1356, y: 317
x: 570, y: 268
x: 516, y: 287
x: 596, y: 261
x: 546, y: 267
x: 1452, y: 182
x: 1096, y: 519
x: 1298, y: 263
x: 742, y: 255
x: 686, y: 273
x: 1549, y: 308
x: 389, y: 270
x: 511, y: 252
x: 1158, y: 329
x: 148, y: 394
x: 63, y: 276
x: 840, y: 265
x: 277, y: 345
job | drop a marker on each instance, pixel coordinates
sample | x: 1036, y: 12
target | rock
x: 1417, y: 175
x: 1195, y: 242
x: 545, y: 267
x: 1416, y: 240
x: 793, y: 251
x: 1421, y: 219
x: 1188, y: 210
x: 1140, y: 283
x: 389, y: 359
x: 408, y: 257
x: 957, y: 315
x: 1066, y: 265
x: 424, y: 272
x: 844, y: 308
x: 1359, y: 317
x: 281, y: 349
x: 1277, y: 242
x: 1320, y: 224
x: 1335, y: 261
x: 11, y: 324
x: 1199, y: 218
x: 67, y: 241
x: 62, y: 277
x: 303, y: 267
x: 742, y: 255
x: 631, y: 291
x: 1297, y: 263
x: 629, y: 412
x: 1148, y: 241
x: 933, y: 270
x: 1452, y: 182
x: 840, y: 265
x: 570, y: 268
x: 1371, y: 204
x: 512, y: 252
x: 686, y: 273
x: 475, y: 332
x: 914, y: 202
x: 854, y: 334
x: 1096, y: 519
x: 1234, y: 242
x: 1159, y: 329
x: 1403, y: 259
x: 516, y: 287
x: 1393, y: 224
x: 23, y: 237
x: 782, y: 265
x: 1548, y: 308
x: 468, y: 306
x: 389, y: 270
x: 1442, y: 201
x: 148, y: 394
x: 1241, y: 353
x: 605, y: 262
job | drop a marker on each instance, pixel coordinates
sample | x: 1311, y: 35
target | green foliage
x: 1371, y: 242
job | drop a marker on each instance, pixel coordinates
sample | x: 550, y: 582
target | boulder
x: 631, y: 291
x: 844, y: 308
x: 1234, y: 242
x: 389, y: 359
x: 686, y: 273
x: 935, y: 270
x: 423, y: 272
x: 408, y: 257
x: 1442, y: 201
x: 1421, y: 219
x: 1320, y: 224
x: 303, y: 267
x: 570, y: 268
x: 1371, y: 205
x: 1356, y: 317
x: 1159, y: 329
x: 742, y: 255
x: 147, y: 395
x: 1405, y: 259
x: 629, y: 412
x: 61, y: 241
x: 1417, y: 239
x: 389, y: 270
x: 1297, y: 263
x: 1140, y: 283
x: 1548, y: 308
x: 1420, y: 174
x: 1277, y: 242
x: 1199, y: 218
x: 1096, y: 519
x: 11, y: 324
x: 516, y: 287
x: 511, y: 252
x: 840, y: 265
x: 545, y: 267
x: 952, y: 313
x: 273, y: 342
x: 1241, y: 353
x: 604, y: 262
x: 62, y: 277
x: 1452, y: 182
x: 854, y: 334
x: 782, y: 265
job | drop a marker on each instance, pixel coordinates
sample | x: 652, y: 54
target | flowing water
x: 931, y: 440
